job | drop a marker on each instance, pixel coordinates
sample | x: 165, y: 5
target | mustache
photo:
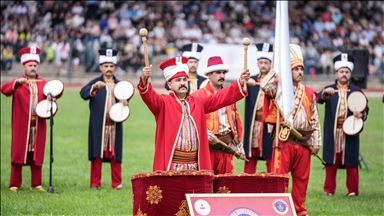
x: 344, y: 77
x: 222, y: 79
x: 109, y: 71
x: 183, y: 86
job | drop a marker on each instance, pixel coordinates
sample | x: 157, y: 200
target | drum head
x: 353, y: 125
x: 119, y: 112
x: 43, y: 108
x: 357, y: 101
x: 55, y: 87
x: 124, y: 90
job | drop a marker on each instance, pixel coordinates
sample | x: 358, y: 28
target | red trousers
x: 16, y: 173
x: 297, y: 160
x: 352, y: 181
x: 222, y: 163
x: 250, y: 166
x: 96, y: 165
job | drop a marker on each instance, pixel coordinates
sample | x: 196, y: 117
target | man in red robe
x: 28, y: 129
x: 294, y: 154
x: 224, y: 124
x: 181, y: 133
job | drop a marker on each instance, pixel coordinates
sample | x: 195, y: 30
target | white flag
x: 282, y: 64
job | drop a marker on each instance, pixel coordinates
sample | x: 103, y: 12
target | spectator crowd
x: 69, y: 33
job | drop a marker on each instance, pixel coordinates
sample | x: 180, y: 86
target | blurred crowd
x: 69, y: 33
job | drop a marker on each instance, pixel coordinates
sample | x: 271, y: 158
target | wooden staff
x: 246, y: 42
x: 143, y: 33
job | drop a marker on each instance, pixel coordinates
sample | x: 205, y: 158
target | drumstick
x: 143, y: 33
x: 34, y: 81
x: 342, y: 90
x: 353, y: 125
x: 246, y: 42
x: 122, y: 107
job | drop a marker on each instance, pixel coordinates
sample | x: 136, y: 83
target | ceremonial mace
x: 143, y: 33
x: 246, y: 42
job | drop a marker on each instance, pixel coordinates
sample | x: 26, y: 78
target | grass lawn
x: 71, y: 166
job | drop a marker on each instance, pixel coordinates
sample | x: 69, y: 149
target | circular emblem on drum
x: 202, y: 207
x: 243, y: 211
x: 280, y: 206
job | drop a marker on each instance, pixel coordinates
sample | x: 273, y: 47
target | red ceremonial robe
x: 21, y: 118
x: 168, y: 112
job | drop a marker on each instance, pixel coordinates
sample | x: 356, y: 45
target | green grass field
x: 71, y: 166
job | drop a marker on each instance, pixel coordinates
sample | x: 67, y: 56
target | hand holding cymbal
x: 143, y: 33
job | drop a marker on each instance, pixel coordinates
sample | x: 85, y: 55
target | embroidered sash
x: 300, y: 97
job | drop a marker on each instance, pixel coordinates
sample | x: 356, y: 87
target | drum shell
x: 168, y: 189
x: 261, y: 182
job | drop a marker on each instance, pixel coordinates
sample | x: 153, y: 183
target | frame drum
x: 119, y: 112
x: 55, y: 87
x: 357, y: 101
x: 43, y: 109
x: 124, y: 90
x: 352, y: 125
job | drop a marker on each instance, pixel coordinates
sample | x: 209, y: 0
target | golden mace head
x: 246, y: 41
x: 143, y: 32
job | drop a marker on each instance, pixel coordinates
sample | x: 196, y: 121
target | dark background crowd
x: 71, y: 32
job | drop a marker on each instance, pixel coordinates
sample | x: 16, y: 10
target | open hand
x: 357, y: 114
x: 124, y: 102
